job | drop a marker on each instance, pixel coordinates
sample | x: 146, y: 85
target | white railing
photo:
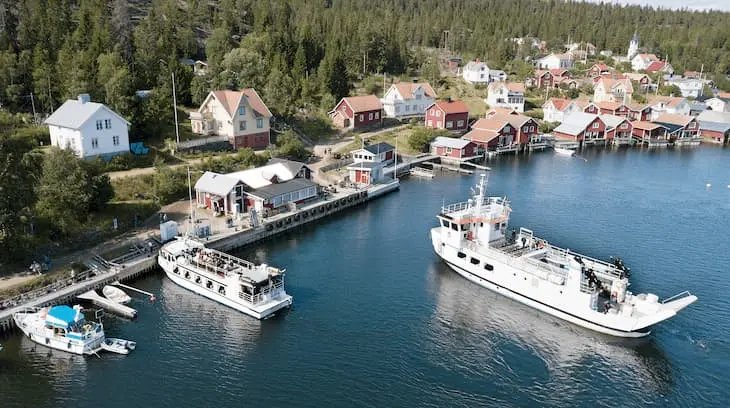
x: 464, y: 205
x: 202, y: 141
x: 257, y: 298
x: 677, y: 296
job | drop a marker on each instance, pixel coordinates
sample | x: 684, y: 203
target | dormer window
x: 241, y: 111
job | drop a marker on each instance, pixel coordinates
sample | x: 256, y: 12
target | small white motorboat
x: 564, y: 151
x: 115, y: 294
x: 119, y: 346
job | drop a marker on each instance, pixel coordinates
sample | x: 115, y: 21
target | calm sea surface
x: 378, y: 321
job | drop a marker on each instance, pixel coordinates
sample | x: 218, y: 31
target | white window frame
x: 449, y: 124
x: 115, y: 140
x: 241, y: 110
x: 94, y: 143
x: 99, y: 124
x: 370, y: 116
x: 107, y: 123
x: 242, y: 125
x: 362, y: 117
x: 459, y: 123
x: 259, y: 123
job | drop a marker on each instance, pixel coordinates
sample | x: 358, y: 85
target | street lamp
x: 174, y: 103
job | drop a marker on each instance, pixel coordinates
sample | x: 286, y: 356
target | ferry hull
x: 540, y: 306
x: 514, y: 294
x: 261, y: 312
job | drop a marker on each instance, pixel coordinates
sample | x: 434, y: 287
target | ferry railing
x: 253, y: 299
x: 677, y: 296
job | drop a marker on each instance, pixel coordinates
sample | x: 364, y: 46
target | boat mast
x: 192, y: 213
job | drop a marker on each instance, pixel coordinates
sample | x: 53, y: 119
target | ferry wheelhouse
x: 256, y: 290
x: 473, y: 240
x: 61, y: 328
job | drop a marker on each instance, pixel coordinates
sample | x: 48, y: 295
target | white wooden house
x: 555, y: 61
x: 407, y: 99
x: 88, y: 128
x: 506, y: 95
x: 476, y: 72
x: 240, y: 115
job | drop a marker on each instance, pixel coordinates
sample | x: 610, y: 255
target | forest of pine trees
x: 300, y: 53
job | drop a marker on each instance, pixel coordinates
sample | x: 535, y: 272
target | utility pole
x: 174, y: 109
x: 32, y: 102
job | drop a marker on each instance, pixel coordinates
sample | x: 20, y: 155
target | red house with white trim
x: 584, y: 128
x: 613, y: 108
x: 353, y: 112
x: 639, y: 111
x: 453, y: 148
x: 491, y: 133
x: 448, y: 114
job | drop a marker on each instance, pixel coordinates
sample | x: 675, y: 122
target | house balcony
x: 203, y: 124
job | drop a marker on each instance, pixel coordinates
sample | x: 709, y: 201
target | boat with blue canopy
x: 62, y: 328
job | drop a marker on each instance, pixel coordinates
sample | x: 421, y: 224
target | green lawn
x: 388, y: 137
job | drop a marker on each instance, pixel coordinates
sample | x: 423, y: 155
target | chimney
x: 448, y: 99
x: 84, y: 98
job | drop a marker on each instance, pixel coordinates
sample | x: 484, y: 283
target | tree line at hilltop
x: 300, y: 54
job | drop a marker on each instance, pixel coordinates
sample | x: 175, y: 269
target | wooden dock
x: 143, y: 260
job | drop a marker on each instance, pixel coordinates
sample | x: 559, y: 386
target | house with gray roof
x: 584, y: 128
x: 380, y: 152
x: 88, y: 128
x: 715, y: 126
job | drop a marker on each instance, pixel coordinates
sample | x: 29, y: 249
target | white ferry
x: 256, y: 290
x: 588, y: 292
x: 61, y: 328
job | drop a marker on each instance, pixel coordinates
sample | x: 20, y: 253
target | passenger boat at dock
x: 472, y: 239
x: 62, y: 328
x: 256, y: 290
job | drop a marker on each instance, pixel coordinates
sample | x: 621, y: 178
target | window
x: 99, y: 125
x: 107, y: 123
x: 295, y: 196
x: 94, y: 143
x: 488, y: 267
x: 370, y: 116
x: 242, y: 125
x: 461, y: 255
x: 362, y: 117
x: 449, y: 124
x: 448, y: 150
x: 595, y: 125
x: 241, y: 111
x: 377, y: 115
x: 474, y: 261
x: 454, y: 226
x: 438, y: 114
x: 397, y: 108
x: 259, y: 123
x: 277, y: 201
x: 430, y: 123
x: 460, y: 123
x: 115, y: 140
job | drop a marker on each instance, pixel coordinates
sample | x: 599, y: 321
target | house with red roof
x: 612, y: 90
x: 660, y: 66
x: 681, y: 129
x: 652, y: 134
x: 639, y: 111
x: 613, y: 108
x: 355, y: 112
x: 641, y: 61
x: 241, y: 115
x: 449, y: 114
x: 504, y: 132
x: 408, y: 99
x: 454, y: 148
x: 555, y: 109
x: 643, y: 80
x: 590, y: 107
x: 598, y: 69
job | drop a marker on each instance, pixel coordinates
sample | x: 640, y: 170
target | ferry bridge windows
x: 488, y: 267
x: 454, y: 226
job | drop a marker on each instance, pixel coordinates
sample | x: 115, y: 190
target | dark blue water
x: 379, y: 321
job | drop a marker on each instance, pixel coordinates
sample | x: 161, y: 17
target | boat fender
x: 278, y: 224
x: 349, y: 198
x: 304, y: 214
x: 288, y: 220
x: 337, y: 204
x: 342, y: 201
x: 313, y: 211
x: 296, y: 217
x: 329, y: 206
x: 269, y: 227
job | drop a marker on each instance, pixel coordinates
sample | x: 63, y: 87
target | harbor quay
x: 142, y: 258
